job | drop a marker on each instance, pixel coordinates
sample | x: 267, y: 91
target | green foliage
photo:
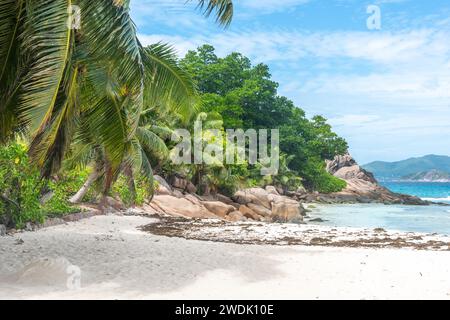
x: 122, y: 189
x: 320, y: 180
x: 286, y: 178
x: 90, y: 82
x: 246, y: 97
x: 19, y: 187
x: 327, y: 183
x: 66, y: 185
x: 229, y: 179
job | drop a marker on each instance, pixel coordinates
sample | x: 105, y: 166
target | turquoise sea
x: 432, y: 191
x: 427, y: 219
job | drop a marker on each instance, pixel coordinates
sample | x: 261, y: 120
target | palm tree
x: 58, y: 82
x: 147, y: 146
x: 147, y: 142
x: 51, y: 74
x: 286, y: 179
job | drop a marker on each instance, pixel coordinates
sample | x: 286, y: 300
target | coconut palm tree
x: 52, y: 76
x: 146, y: 147
x: 148, y: 139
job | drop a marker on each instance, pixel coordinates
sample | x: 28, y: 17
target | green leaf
x: 46, y: 40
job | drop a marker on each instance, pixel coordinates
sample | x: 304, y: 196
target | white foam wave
x: 437, y: 199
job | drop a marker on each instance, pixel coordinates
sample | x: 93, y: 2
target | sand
x: 117, y: 260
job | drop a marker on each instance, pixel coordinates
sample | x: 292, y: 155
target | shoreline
x: 119, y: 261
x: 262, y: 233
x: 310, y: 235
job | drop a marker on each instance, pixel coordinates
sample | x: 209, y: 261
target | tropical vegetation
x: 88, y: 113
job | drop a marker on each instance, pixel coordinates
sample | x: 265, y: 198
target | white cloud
x: 268, y: 6
x: 353, y: 120
x: 182, y: 45
x: 409, y: 64
x: 399, y: 84
x: 388, y: 93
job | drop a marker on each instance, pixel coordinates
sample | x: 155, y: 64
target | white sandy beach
x: 118, y: 261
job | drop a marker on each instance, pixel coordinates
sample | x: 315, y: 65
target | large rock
x: 163, y: 187
x: 219, y: 208
x: 269, y: 205
x: 260, y: 210
x: 243, y: 197
x: 286, y: 210
x: 179, y: 182
x: 181, y: 207
x: 253, y: 195
x: 178, y: 193
x: 194, y: 199
x: 262, y: 195
x: 114, y: 204
x: 191, y: 188
x: 146, y: 209
x: 162, y: 182
x: 346, y: 168
x: 361, y: 186
x: 339, y: 162
x: 249, y: 213
x: 224, y: 199
x: 235, y: 216
x: 272, y: 190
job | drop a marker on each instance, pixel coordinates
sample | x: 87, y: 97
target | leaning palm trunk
x: 78, y: 197
x: 128, y: 171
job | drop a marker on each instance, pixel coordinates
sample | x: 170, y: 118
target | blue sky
x: 386, y: 91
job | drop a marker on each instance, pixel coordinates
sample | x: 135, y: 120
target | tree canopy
x: 247, y: 97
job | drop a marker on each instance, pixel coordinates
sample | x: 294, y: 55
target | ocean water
x: 432, y: 191
x: 426, y: 219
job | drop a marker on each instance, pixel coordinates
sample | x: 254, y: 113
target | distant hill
x: 428, y: 176
x: 408, y: 168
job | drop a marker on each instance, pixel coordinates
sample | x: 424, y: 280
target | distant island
x: 428, y: 176
x: 430, y: 168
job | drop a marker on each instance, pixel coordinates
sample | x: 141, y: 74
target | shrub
x: 20, y: 187
x: 66, y: 185
x: 319, y: 179
x: 122, y: 189
x: 328, y: 183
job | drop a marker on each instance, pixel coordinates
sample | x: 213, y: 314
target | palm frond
x: 166, y: 83
x: 49, y: 145
x: 152, y: 143
x: 46, y: 40
x: 223, y: 10
x: 162, y: 131
x: 110, y: 40
x: 10, y: 16
x: 107, y: 122
x: 81, y: 155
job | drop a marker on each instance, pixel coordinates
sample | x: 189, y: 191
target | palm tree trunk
x: 131, y: 185
x: 107, y: 184
x: 84, y: 189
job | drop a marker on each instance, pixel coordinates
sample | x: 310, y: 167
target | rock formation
x: 268, y: 205
x: 255, y: 204
x: 361, y: 187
